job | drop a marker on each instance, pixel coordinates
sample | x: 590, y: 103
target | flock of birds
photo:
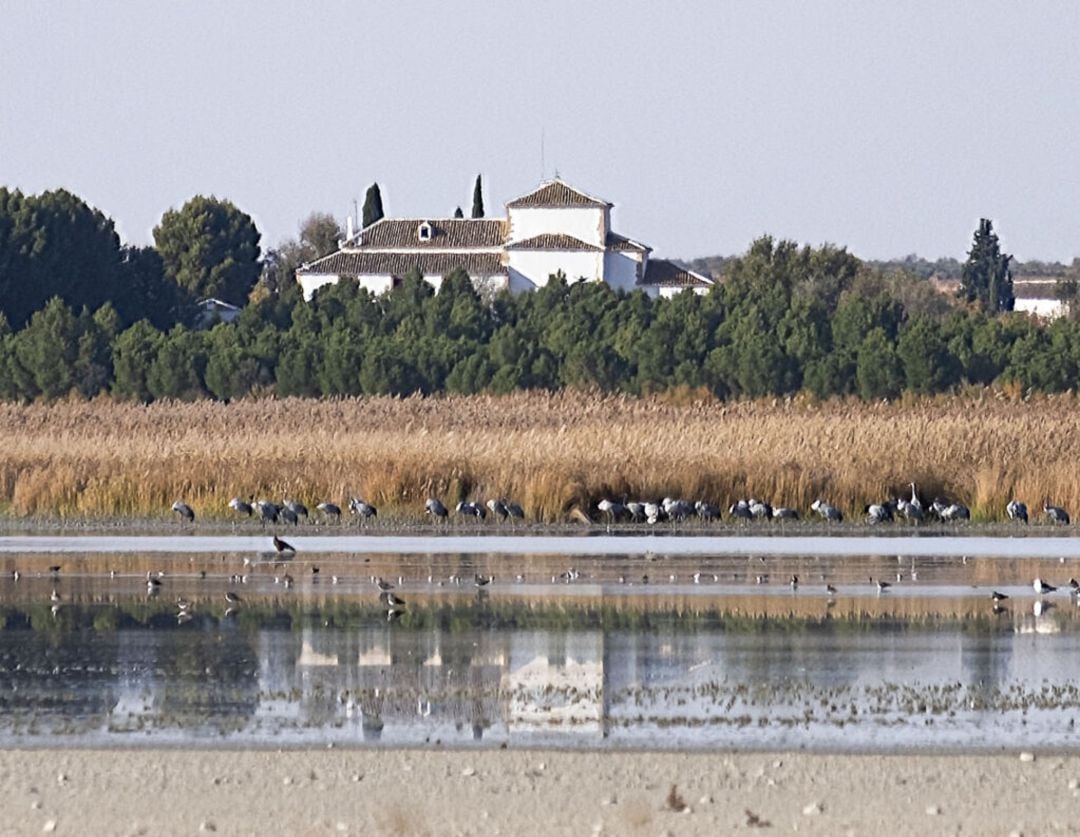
x: 910, y: 509
x: 913, y: 510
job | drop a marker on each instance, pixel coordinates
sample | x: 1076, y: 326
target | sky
x: 886, y: 127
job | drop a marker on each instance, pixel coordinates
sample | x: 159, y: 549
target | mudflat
x: 181, y: 791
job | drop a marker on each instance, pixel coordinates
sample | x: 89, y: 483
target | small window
x: 423, y: 232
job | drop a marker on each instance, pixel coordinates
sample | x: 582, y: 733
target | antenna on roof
x: 542, y: 169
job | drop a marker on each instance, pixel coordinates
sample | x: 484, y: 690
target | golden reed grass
x: 551, y: 452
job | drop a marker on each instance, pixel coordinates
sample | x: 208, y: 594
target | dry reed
x: 551, y: 452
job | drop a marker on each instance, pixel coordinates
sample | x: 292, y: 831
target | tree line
x: 786, y: 319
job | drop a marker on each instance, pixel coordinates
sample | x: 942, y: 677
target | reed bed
x: 551, y: 452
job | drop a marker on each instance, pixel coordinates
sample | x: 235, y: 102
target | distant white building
x: 213, y: 311
x: 1038, y: 297
x: 553, y: 229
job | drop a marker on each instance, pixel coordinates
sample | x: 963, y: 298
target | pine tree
x: 478, y: 199
x: 986, y: 278
x: 373, y: 209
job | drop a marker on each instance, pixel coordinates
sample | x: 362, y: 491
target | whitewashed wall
x: 621, y: 269
x: 537, y: 266
x: 589, y: 224
x: 1046, y: 308
x: 311, y: 282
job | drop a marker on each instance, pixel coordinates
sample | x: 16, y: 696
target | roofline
x: 552, y: 180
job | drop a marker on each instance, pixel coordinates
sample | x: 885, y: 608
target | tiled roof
x: 620, y: 242
x: 361, y: 263
x: 555, y: 193
x: 664, y: 274
x: 551, y: 241
x: 446, y: 234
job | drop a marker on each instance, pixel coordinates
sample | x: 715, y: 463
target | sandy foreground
x: 531, y: 792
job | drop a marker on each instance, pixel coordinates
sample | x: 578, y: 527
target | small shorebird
x: 998, y: 597
x: 392, y: 600
x: 383, y: 584
x: 55, y: 597
x: 1041, y: 587
x: 794, y: 582
x: 182, y: 604
x: 283, y: 548
x: 483, y: 580
x: 882, y: 586
x: 830, y: 589
x: 232, y: 598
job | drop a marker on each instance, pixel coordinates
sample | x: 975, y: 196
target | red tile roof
x: 552, y: 241
x: 555, y: 193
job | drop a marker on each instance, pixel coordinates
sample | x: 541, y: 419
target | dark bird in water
x: 152, y: 583
x: 881, y: 585
x: 282, y: 547
x: 830, y: 589
x: 232, y: 598
x: 54, y: 570
x: 1042, y: 587
x: 383, y: 584
x: 184, y: 510
x: 392, y: 600
x: 998, y: 597
x: 794, y: 582
x: 483, y: 580
x: 1074, y: 584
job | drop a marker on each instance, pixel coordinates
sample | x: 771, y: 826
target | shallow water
x: 636, y: 647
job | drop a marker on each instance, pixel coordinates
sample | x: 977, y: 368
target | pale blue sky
x: 888, y: 127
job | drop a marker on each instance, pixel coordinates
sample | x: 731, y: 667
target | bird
x: 392, y: 600
x: 760, y: 510
x: 998, y: 597
x: 910, y: 510
x: 1074, y: 584
x: 287, y: 580
x: 1041, y: 587
x: 741, y: 510
x: 498, y: 508
x: 483, y: 580
x: 283, y: 548
x: 794, y: 582
x: 287, y: 515
x: 955, y: 511
x: 466, y: 509
x: 383, y: 585
x: 611, y: 509
x: 828, y: 512
x: 182, y: 604
x: 241, y: 506
x: 1056, y: 514
x: 879, y: 513
x: 784, y: 513
x: 362, y: 509
x: 296, y: 507
x: 152, y: 583
x: 1017, y: 511
x: 184, y: 510
x: 55, y: 569
x: 830, y: 589
x: 882, y: 586
x: 707, y: 511
x: 232, y: 598
x: 268, y: 512
x: 55, y: 597
x: 513, y: 509
x: 915, y: 501
x: 436, y: 509
x: 330, y: 510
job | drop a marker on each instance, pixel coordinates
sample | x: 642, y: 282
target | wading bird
x: 240, y: 506
x: 283, y: 548
x: 1056, y: 514
x: 184, y: 510
x: 436, y: 509
x: 362, y: 509
x: 1041, y: 587
x: 1017, y: 511
x: 828, y: 512
x: 330, y: 510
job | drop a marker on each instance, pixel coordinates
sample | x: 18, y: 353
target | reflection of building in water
x: 555, y: 680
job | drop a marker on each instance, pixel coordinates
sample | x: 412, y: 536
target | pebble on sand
x: 933, y: 810
x: 469, y: 771
x: 1027, y: 757
x: 812, y: 809
x: 49, y: 827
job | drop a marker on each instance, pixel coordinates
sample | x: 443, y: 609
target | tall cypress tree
x: 373, y: 210
x: 987, y: 278
x: 458, y: 213
x: 478, y: 199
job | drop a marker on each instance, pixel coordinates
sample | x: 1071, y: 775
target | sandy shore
x: 531, y: 792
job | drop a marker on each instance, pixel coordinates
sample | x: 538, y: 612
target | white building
x: 553, y: 229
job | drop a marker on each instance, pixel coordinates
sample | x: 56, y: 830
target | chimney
x: 349, y: 228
